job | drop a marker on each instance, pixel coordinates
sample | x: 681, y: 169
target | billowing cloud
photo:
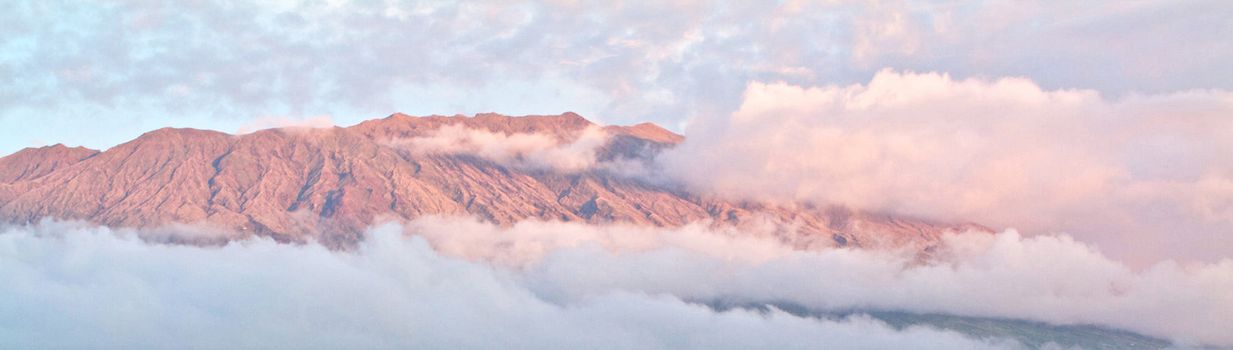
x: 1044, y: 278
x: 72, y: 286
x: 535, y: 151
x: 442, y: 281
x: 1145, y: 176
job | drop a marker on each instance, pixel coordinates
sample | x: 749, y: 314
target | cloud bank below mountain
x: 455, y: 282
x: 68, y: 286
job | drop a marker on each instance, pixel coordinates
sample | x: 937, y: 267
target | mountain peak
x: 32, y: 163
x: 181, y: 132
x: 567, y: 118
x: 564, y: 126
x: 177, y: 137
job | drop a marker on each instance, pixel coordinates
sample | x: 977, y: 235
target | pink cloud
x: 316, y: 122
x: 1142, y: 175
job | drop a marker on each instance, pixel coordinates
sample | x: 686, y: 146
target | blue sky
x: 100, y: 73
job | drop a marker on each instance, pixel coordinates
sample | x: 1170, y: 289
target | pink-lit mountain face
x: 293, y: 184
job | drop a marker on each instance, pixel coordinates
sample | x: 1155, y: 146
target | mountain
x: 32, y: 163
x: 294, y: 184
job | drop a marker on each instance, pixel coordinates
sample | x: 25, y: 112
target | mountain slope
x: 330, y: 184
x: 33, y: 163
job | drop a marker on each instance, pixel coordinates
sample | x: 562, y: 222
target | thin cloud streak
x: 531, y: 151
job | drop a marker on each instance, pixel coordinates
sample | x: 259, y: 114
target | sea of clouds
x: 448, y: 282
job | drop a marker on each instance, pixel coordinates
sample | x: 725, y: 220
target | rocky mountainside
x: 33, y: 163
x: 293, y: 184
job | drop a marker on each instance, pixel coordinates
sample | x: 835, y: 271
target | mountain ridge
x: 330, y: 184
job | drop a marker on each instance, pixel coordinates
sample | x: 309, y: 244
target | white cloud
x: 317, y: 122
x: 535, y: 151
x: 660, y: 61
x: 456, y: 282
x: 1145, y: 176
x: 68, y: 286
x: 1044, y: 278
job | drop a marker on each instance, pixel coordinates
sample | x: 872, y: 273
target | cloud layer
x: 455, y: 282
x: 69, y: 286
x: 1145, y: 176
x: 1044, y: 278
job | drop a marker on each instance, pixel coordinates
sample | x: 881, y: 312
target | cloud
x: 457, y: 282
x: 1142, y: 175
x: 527, y: 242
x: 445, y: 281
x: 317, y: 122
x: 533, y: 151
x: 71, y: 286
x: 213, y: 64
x: 1043, y: 278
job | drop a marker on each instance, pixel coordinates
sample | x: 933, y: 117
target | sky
x: 100, y: 73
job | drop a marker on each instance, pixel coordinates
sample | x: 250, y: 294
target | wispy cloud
x: 317, y: 122
x: 531, y: 151
x: 217, y: 64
